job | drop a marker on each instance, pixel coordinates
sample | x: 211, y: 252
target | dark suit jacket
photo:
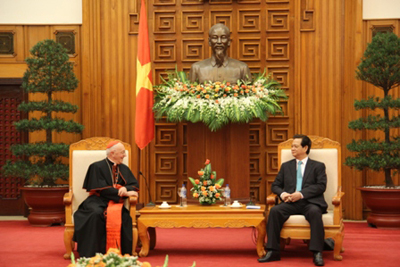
x: 313, y: 185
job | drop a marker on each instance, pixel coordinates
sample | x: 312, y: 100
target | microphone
x: 150, y: 204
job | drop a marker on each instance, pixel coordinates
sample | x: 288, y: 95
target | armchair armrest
x: 337, y: 199
x: 132, y: 208
x: 337, y: 209
x: 272, y: 199
x: 67, y: 200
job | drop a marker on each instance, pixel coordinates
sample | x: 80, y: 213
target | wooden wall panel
x: 109, y: 69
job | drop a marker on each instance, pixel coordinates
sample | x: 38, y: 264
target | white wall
x: 381, y: 9
x: 40, y: 12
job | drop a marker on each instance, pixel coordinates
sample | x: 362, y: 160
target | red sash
x: 113, y: 225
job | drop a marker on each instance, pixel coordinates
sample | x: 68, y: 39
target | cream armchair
x: 81, y: 155
x: 297, y: 227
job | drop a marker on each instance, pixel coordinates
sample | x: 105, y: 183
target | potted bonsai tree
x: 48, y: 71
x: 380, y: 66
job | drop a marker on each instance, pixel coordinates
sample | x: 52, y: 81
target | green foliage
x: 44, y: 123
x: 48, y: 71
x: 217, y: 104
x: 377, y: 103
x: 379, y: 66
x: 40, y: 149
x: 44, y: 106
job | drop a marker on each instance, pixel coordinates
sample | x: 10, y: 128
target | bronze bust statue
x: 219, y: 67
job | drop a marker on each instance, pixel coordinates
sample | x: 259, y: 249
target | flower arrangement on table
x: 217, y: 103
x: 207, y: 188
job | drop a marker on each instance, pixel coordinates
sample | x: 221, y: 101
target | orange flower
x: 204, y: 182
x: 207, y: 162
x: 216, y: 90
x: 227, y: 89
x: 197, y: 181
x: 204, y: 91
x: 195, y: 195
x: 228, y: 84
x: 204, y: 193
x: 207, y: 96
x: 217, y: 82
x: 224, y: 95
x: 211, y: 188
x: 235, y: 94
x: 203, y: 188
x: 200, y: 173
x: 217, y: 195
x: 216, y: 101
x: 212, y: 176
x: 146, y: 264
x: 198, y: 96
x: 217, y: 186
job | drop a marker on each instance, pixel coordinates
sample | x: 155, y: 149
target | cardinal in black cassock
x: 109, y: 182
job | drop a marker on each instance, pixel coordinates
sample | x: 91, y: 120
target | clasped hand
x: 286, y: 197
x: 123, y: 192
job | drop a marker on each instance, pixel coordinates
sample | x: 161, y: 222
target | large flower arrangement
x: 217, y: 103
x: 112, y: 258
x: 207, y: 188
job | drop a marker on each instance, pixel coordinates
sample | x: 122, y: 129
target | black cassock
x: 90, y: 223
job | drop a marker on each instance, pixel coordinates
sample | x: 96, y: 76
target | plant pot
x: 384, y: 205
x: 45, y: 204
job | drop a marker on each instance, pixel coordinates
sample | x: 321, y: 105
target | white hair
x: 111, y: 149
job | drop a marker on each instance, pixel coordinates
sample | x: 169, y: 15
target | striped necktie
x: 299, y: 177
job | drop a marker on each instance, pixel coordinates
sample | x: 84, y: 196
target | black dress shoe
x: 271, y: 256
x: 318, y: 261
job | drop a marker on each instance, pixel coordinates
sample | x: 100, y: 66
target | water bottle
x: 183, y: 196
x: 227, y: 193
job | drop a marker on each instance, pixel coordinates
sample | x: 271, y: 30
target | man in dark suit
x: 300, y: 184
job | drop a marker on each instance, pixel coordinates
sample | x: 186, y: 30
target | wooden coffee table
x: 198, y: 216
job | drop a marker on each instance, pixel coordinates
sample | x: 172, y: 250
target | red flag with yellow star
x: 144, y: 123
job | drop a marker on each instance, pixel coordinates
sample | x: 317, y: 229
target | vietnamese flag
x: 144, y: 123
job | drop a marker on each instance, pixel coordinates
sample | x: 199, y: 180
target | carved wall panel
x: 164, y: 22
x: 165, y: 135
x: 166, y: 163
x: 164, y: 50
x: 249, y: 20
x: 262, y: 36
x: 193, y: 21
x: 223, y: 16
x: 278, y: 48
x: 278, y: 20
x: 249, y: 49
x: 166, y: 190
x: 193, y: 50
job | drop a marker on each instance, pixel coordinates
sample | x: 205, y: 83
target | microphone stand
x: 150, y: 204
x: 251, y: 197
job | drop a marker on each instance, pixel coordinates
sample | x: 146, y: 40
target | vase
x: 205, y: 204
x: 45, y: 204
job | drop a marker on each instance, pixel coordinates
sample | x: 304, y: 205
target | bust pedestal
x: 228, y: 151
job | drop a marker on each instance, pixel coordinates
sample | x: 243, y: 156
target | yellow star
x: 142, y: 77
